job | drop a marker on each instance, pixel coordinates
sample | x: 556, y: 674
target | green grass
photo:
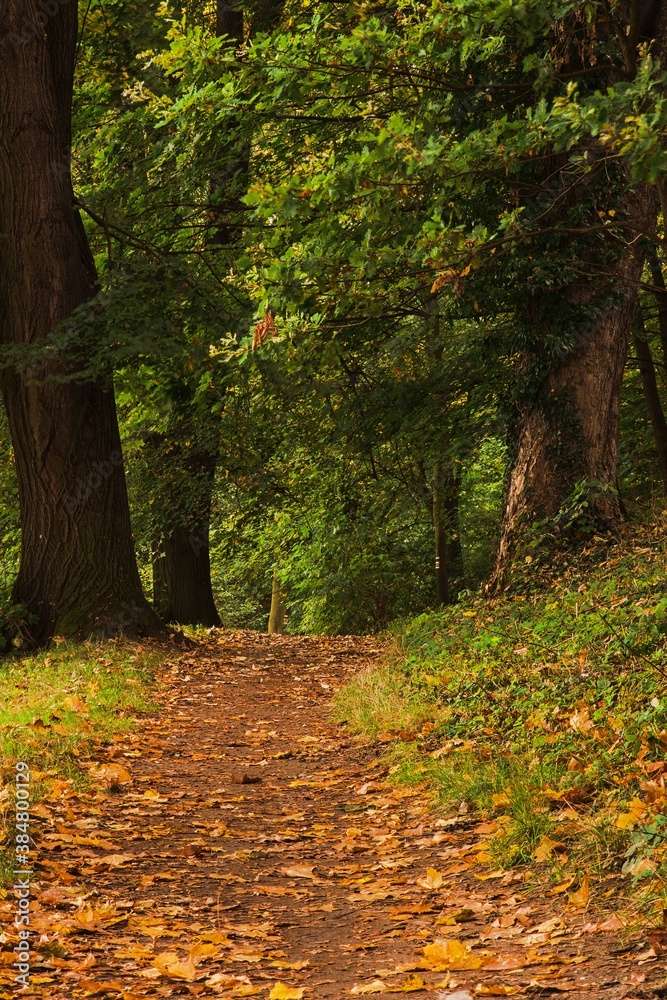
x: 553, y: 700
x: 56, y: 706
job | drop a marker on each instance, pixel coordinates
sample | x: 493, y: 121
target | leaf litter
x: 241, y: 844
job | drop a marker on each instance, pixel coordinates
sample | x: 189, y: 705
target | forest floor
x: 240, y: 843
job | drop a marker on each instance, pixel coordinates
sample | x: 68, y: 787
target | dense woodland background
x: 379, y: 286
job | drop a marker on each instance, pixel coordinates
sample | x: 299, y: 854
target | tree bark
x: 183, y: 584
x: 277, y: 612
x: 182, y: 590
x: 78, y: 573
x: 568, y: 431
x: 660, y: 292
x: 442, y: 595
x: 653, y: 403
x: 454, y: 549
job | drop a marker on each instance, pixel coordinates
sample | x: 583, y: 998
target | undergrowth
x: 57, y: 706
x: 544, y: 712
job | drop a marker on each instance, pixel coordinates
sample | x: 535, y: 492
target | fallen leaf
x: 110, y: 775
x: 377, y: 986
x: 409, y: 985
x: 298, y: 871
x: 431, y: 881
x: 283, y: 992
x: 443, y: 955
x: 495, y: 990
x: 545, y: 848
x: 582, y: 895
x: 74, y: 704
x: 169, y: 964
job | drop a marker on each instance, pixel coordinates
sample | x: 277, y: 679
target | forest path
x: 258, y: 850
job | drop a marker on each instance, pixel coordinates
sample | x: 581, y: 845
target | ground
x: 241, y: 843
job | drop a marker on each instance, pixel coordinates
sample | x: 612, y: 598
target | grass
x: 56, y: 706
x: 544, y: 711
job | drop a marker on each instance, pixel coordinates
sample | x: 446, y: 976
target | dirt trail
x: 258, y: 850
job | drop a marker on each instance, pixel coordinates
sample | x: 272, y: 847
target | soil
x: 241, y: 843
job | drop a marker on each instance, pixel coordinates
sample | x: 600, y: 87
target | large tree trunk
x: 182, y: 591
x: 78, y: 572
x: 182, y: 576
x: 568, y: 431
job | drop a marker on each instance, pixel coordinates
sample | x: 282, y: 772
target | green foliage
x: 545, y: 699
x: 57, y: 706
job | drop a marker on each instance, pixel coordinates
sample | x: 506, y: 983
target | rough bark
x: 568, y: 432
x: 277, y: 612
x: 652, y: 398
x: 78, y: 572
x: 182, y: 590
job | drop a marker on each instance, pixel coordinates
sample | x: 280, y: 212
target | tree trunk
x: 182, y: 590
x: 441, y: 547
x: 277, y: 612
x: 569, y: 431
x: 454, y: 549
x: 653, y: 403
x: 186, y: 578
x: 660, y: 292
x: 78, y: 573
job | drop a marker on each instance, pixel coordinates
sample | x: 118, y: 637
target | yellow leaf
x: 283, y: 992
x: 442, y: 956
x: 110, y: 775
x: 204, y: 949
x: 377, y: 986
x: 627, y: 821
x: 74, y: 704
x: 562, y: 887
x: 545, y: 848
x: 410, y: 985
x: 500, y: 799
x: 281, y: 964
x: 169, y: 964
x: 495, y: 990
x: 582, y: 895
x: 432, y: 880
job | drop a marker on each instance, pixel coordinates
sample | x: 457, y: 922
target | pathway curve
x: 242, y: 844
